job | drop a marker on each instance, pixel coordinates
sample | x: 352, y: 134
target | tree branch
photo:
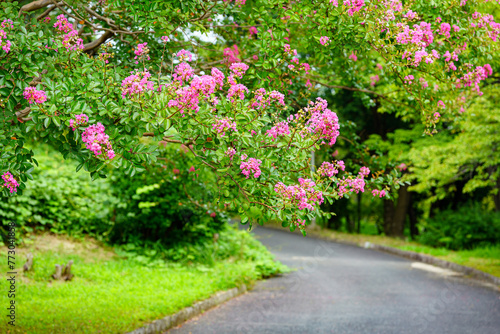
x: 29, y: 7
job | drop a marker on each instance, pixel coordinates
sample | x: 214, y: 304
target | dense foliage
x: 240, y: 99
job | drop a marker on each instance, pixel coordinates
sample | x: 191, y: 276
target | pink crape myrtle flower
x: 80, y: 120
x: 324, y: 40
x: 303, y: 195
x: 279, y: 129
x: 323, y: 122
x: 251, y: 166
x: 238, y: 90
x: 402, y: 166
x: 364, y: 171
x: 183, y: 72
x: 164, y: 39
x: 230, y: 152
x: 98, y: 142
x: 62, y: 24
x: 374, y: 79
x: 205, y: 84
x: 231, y: 54
x: 191, y: 169
x: 238, y: 69
x: 252, y: 31
x: 136, y: 84
x: 441, y: 104
x: 141, y: 52
x: 184, y: 55
x: 10, y: 182
x: 222, y: 125
x: 353, y: 57
x: 379, y: 193
x: 331, y: 169
x: 354, y: 6
x: 34, y: 96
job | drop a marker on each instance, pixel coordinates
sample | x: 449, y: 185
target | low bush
x: 466, y: 228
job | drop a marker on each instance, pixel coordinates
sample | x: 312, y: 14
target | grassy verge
x: 486, y: 259
x: 110, y: 294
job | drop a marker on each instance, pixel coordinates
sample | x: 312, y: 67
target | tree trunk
x: 496, y: 197
x: 394, y: 217
x: 412, y: 212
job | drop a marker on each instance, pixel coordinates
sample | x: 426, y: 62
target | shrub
x: 466, y: 228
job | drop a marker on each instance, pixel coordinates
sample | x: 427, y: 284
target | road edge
x: 170, y: 321
x: 429, y: 259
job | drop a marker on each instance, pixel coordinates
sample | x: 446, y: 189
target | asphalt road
x: 339, y: 288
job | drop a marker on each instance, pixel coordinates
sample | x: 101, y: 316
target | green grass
x: 110, y: 294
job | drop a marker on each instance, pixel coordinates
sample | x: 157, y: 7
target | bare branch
x: 47, y: 12
x: 89, y: 47
x: 29, y: 7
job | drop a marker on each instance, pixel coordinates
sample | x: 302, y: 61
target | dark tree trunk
x: 395, y: 216
x: 412, y: 212
x: 496, y: 197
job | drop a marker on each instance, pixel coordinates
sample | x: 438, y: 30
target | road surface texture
x: 338, y: 288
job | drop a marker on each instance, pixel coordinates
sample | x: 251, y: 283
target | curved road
x: 339, y: 288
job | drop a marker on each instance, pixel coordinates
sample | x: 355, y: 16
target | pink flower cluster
x: 379, y: 193
x: 183, y: 72
x: 324, y: 40
x: 238, y: 90
x: 34, y: 96
x: 250, y: 166
x: 141, y: 52
x: 136, y: 84
x: 303, y: 195
x: 231, y: 54
x: 252, y: 31
x: 79, y: 120
x: 473, y: 78
x: 354, y: 6
x: 374, y: 79
x: 300, y: 223
x: 263, y: 99
x: 184, y: 55
x: 4, y: 42
x: 323, y: 122
x: 187, y: 99
x: 353, y: 57
x: 486, y: 21
x: 230, y: 152
x: 279, y: 129
x: 98, y: 142
x: 238, y: 69
x: 62, y: 24
x: 218, y: 76
x: 70, y: 41
x: 331, y: 169
x: 205, y: 84
x: 164, y: 39
x: 421, y: 35
x: 222, y: 125
x: 10, y: 182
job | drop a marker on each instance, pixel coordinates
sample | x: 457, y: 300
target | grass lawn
x: 486, y: 259
x: 108, y: 294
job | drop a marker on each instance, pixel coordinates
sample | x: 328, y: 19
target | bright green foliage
x: 468, y: 227
x: 469, y: 152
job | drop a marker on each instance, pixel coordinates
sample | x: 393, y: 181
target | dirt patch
x: 89, y: 249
